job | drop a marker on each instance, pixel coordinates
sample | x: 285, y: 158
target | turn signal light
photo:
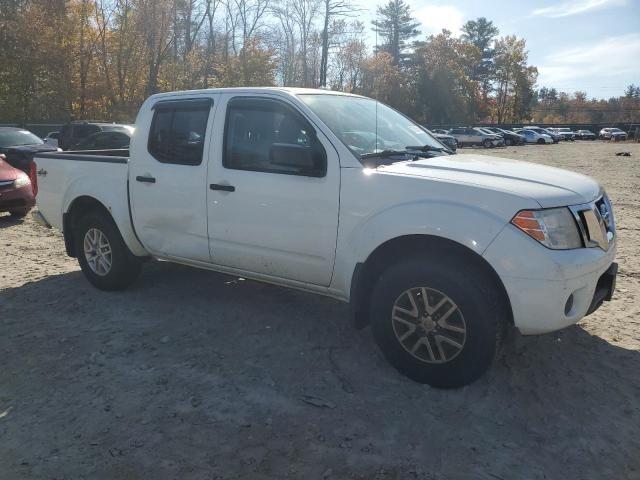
x: 529, y: 224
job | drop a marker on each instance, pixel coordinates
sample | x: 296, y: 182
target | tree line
x: 99, y: 59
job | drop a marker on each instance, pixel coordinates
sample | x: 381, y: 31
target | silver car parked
x: 470, y: 136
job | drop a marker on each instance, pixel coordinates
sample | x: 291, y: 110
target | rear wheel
x: 436, y: 325
x: 102, y: 254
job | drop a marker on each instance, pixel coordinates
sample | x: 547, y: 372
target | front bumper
x: 550, y: 289
x: 605, y: 288
x: 14, y: 199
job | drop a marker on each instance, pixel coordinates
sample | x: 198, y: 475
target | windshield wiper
x: 385, y: 154
x: 427, y: 148
x: 412, y: 151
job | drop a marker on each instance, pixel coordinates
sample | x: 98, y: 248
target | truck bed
x: 66, y: 176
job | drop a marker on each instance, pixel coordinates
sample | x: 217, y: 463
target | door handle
x: 42, y: 172
x: 145, y: 179
x: 223, y: 188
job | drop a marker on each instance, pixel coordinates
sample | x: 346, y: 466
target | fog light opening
x: 569, y: 305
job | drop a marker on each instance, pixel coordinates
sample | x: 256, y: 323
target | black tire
x: 541, y: 141
x: 125, y: 267
x: 479, y: 302
x: 487, y: 143
x: 19, y: 213
x: 507, y: 142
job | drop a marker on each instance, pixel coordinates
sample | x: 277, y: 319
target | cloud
x: 574, y: 7
x: 436, y: 17
x: 611, y: 60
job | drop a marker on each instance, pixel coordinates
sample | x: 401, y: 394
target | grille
x: 596, y: 223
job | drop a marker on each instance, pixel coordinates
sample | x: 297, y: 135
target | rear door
x: 473, y: 136
x: 274, y: 186
x: 168, y: 177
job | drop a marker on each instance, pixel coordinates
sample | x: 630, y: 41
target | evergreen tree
x: 630, y: 91
x: 396, y: 26
x: 482, y: 33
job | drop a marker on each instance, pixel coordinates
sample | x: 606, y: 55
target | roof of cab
x: 287, y: 90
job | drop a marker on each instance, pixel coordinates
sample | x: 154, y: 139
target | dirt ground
x: 196, y: 375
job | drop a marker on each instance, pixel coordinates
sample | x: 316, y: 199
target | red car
x: 17, y: 189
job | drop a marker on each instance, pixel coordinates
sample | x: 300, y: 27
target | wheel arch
x: 79, y: 207
x: 366, y: 273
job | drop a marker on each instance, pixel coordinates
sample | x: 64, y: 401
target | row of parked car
x: 490, y: 137
x: 18, y: 180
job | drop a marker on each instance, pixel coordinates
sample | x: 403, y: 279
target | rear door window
x: 178, y: 131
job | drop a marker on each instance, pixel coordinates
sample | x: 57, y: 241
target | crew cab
x: 342, y: 196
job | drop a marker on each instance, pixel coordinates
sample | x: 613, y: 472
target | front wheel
x: 436, y: 325
x: 541, y: 141
x: 103, y: 256
x: 487, y: 143
x: 507, y: 142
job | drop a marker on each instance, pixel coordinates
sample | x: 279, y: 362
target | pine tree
x: 396, y: 26
x: 630, y: 91
x: 482, y: 33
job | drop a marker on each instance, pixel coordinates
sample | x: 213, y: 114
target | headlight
x: 22, y: 181
x: 554, y: 227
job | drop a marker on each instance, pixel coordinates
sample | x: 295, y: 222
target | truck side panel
x: 63, y: 178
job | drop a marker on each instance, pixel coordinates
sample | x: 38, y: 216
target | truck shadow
x: 196, y: 357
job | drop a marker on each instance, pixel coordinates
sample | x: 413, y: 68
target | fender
x: 472, y: 227
x: 113, y: 195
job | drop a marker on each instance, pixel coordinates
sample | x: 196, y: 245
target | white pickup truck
x: 342, y: 196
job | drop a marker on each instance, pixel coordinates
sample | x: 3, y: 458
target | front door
x: 273, y: 197
x: 168, y: 176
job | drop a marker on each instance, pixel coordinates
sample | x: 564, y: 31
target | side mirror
x: 297, y: 159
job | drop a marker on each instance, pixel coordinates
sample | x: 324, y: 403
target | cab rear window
x: 178, y: 132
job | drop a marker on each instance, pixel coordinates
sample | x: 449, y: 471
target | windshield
x: 616, y: 130
x: 353, y: 120
x: 16, y: 138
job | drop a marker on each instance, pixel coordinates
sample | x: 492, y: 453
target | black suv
x: 73, y: 132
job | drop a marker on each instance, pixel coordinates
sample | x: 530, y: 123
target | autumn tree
x: 383, y: 80
x: 349, y: 59
x: 444, y: 90
x: 514, y: 79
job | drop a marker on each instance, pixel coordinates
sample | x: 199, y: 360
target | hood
x: 7, y: 172
x: 548, y: 186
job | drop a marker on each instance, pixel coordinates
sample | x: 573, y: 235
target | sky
x: 577, y: 45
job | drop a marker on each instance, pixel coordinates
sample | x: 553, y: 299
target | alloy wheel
x: 97, y: 251
x: 429, y: 325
